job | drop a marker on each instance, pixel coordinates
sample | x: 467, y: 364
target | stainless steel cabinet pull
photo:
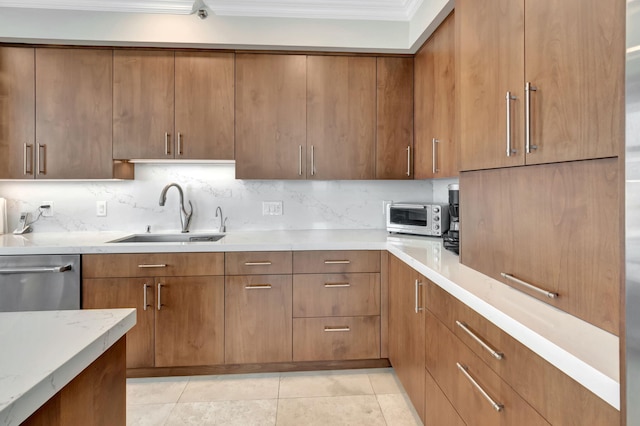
x: 36, y: 269
x: 409, y: 160
x: 261, y: 263
x: 158, y: 265
x: 337, y: 262
x: 28, y: 159
x: 179, y: 150
x: 496, y: 406
x: 144, y: 298
x: 299, y: 160
x: 258, y: 287
x: 167, y: 148
x: 549, y: 294
x: 313, y: 161
x: 41, y: 159
x: 434, y: 154
x: 493, y: 352
x: 509, y: 98
x: 418, y: 308
x: 329, y: 328
x: 160, y: 285
x: 528, y: 88
x: 336, y: 285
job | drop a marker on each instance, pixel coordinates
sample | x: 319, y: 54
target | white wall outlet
x: 385, y: 203
x: 47, y: 212
x: 101, y: 208
x: 272, y: 208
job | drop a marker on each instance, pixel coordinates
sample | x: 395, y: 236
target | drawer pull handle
x: 145, y: 302
x: 496, y: 406
x: 261, y: 263
x: 336, y: 285
x: 158, y: 265
x: 258, y: 287
x: 549, y: 294
x: 418, y: 284
x: 159, y: 295
x: 337, y: 262
x: 332, y: 329
x: 493, y: 352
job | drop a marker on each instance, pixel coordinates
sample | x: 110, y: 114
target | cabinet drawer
x: 340, y: 261
x: 336, y: 338
x: 438, y: 411
x: 449, y: 361
x: 152, y: 265
x: 323, y: 295
x: 560, y: 399
x: 258, y: 263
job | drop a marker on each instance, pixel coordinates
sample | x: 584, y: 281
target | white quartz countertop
x: 43, y: 351
x: 586, y: 353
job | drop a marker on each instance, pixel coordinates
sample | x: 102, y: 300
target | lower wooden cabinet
x: 438, y: 411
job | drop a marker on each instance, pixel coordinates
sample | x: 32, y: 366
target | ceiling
x: 373, y: 10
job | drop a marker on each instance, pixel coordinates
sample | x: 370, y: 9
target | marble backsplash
x: 132, y: 205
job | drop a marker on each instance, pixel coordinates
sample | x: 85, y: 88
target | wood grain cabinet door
x: 436, y: 148
x: 109, y: 293
x: 341, y: 117
x: 189, y: 321
x: 73, y: 113
x: 394, y: 135
x: 204, y: 116
x: 143, y: 104
x: 271, y: 116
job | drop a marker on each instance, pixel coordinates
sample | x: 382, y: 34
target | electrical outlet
x: 48, y: 212
x: 385, y: 203
x: 101, y: 208
x: 272, y: 208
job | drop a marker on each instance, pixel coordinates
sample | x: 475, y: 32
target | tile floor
x: 341, y: 397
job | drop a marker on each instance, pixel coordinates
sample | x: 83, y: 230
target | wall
x: 131, y: 205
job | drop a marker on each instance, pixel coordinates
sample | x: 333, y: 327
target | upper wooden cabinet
x: 394, y: 134
x: 573, y: 109
x: 173, y: 105
x: 341, y: 117
x: 271, y: 116
x: 436, y: 147
x: 57, y: 123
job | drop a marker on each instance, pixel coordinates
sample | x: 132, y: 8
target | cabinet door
x: 491, y: 60
x: 406, y: 329
x: 577, y: 110
x: 270, y: 116
x: 341, y: 117
x: 394, y: 136
x: 189, y: 321
x: 143, y: 104
x: 258, y: 319
x: 109, y: 293
x: 436, y: 148
x: 17, y: 113
x: 73, y: 113
x: 204, y: 117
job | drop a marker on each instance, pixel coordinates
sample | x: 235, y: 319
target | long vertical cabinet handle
x: 179, y: 141
x: 145, y: 301
x: 299, y: 160
x: 434, y: 154
x: 313, y: 161
x: 167, y: 148
x: 28, y: 159
x: 159, y: 296
x: 41, y: 160
x: 528, y: 88
x: 509, y: 98
x: 409, y: 160
x: 418, y: 284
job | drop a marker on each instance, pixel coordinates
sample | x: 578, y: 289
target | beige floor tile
x: 228, y: 413
x: 385, y: 381
x: 324, y: 383
x: 335, y: 411
x: 231, y: 387
x: 148, y: 414
x: 398, y: 411
x: 156, y: 390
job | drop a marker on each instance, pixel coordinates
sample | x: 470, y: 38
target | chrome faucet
x: 223, y: 222
x: 185, y: 218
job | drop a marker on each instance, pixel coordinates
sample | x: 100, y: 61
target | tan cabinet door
x: 108, y: 293
x: 189, y: 321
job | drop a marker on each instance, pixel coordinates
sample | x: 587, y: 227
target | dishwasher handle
x: 36, y: 269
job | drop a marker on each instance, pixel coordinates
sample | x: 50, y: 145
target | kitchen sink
x: 169, y: 238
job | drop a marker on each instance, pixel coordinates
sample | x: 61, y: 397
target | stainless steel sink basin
x: 169, y: 238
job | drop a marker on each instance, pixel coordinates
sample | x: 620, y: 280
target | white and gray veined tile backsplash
x: 132, y: 205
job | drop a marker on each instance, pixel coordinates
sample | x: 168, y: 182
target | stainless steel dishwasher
x: 39, y: 283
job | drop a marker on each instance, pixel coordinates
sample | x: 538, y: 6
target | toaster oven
x: 418, y: 218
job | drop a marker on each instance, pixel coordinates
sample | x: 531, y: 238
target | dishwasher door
x: 39, y: 283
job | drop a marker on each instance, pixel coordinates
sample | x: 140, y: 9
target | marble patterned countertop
x: 586, y: 353
x: 43, y: 351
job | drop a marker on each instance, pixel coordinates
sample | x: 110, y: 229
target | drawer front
x: 438, y: 411
x: 323, y: 295
x: 258, y: 263
x: 336, y: 338
x: 152, y: 265
x: 340, y: 261
x: 454, y: 367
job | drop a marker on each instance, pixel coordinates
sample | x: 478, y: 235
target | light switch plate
x: 272, y: 208
x: 101, y: 208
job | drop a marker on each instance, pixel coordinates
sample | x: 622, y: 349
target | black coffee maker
x: 451, y: 239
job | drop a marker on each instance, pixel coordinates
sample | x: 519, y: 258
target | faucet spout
x: 223, y: 220
x: 185, y: 217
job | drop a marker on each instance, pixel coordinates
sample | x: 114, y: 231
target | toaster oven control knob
x: 436, y: 227
x: 436, y: 209
x: 436, y: 218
